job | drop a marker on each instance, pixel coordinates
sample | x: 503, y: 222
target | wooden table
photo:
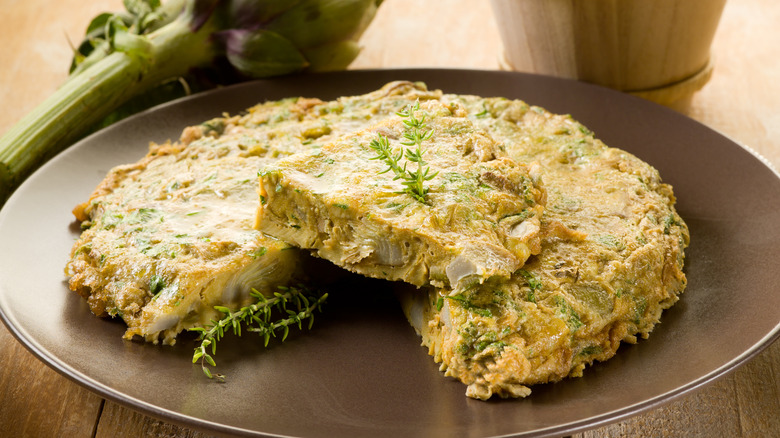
x: 741, y: 101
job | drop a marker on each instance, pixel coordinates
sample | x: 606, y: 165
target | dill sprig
x: 415, y: 134
x: 295, y: 304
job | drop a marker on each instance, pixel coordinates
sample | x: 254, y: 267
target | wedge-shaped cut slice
x: 478, y: 217
x: 167, y: 238
x: 611, y: 262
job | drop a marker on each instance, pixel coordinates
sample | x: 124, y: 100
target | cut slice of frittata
x: 166, y: 239
x: 611, y: 262
x: 357, y: 202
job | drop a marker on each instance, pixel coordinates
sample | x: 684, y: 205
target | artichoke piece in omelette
x: 611, y: 262
x: 476, y: 218
x: 166, y: 239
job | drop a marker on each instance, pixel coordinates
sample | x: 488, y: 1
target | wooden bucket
x: 657, y: 49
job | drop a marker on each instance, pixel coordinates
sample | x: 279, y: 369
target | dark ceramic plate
x: 361, y: 370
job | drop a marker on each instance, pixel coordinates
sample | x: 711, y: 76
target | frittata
x: 476, y: 219
x: 581, y: 247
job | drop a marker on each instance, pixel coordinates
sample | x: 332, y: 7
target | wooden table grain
x: 742, y: 101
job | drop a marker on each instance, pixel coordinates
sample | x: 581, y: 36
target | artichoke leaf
x: 331, y: 57
x: 262, y: 53
x: 314, y: 23
x: 247, y: 14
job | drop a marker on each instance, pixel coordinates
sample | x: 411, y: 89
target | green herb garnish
x: 382, y: 147
x: 291, y: 306
x: 415, y: 133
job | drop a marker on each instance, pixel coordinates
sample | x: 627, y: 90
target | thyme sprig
x: 385, y: 153
x: 415, y: 133
x: 295, y: 304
